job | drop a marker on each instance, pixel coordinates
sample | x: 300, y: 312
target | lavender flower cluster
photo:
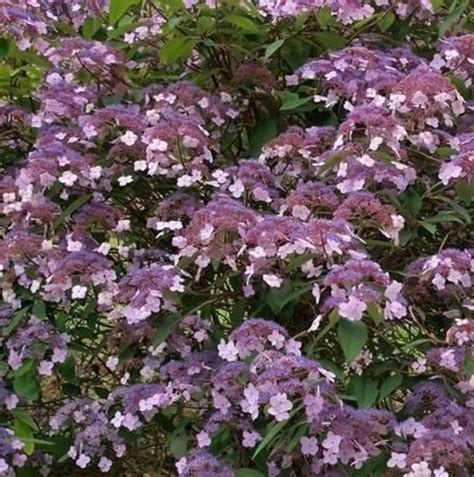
x: 158, y: 273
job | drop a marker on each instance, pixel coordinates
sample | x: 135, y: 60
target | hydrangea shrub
x: 236, y: 238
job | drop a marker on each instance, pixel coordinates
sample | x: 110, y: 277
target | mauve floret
x: 457, y: 55
x: 93, y: 432
x: 96, y: 215
x: 203, y: 464
x: 253, y: 177
x: 309, y: 197
x: 76, y: 268
x: 143, y: 290
x: 366, y: 207
x: 40, y: 341
x: 76, y: 54
x: 216, y: 230
x: 12, y: 454
x: 254, y: 335
x: 461, y: 333
x: 445, y: 270
x: 425, y: 94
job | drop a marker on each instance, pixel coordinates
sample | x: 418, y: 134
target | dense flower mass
x: 236, y: 238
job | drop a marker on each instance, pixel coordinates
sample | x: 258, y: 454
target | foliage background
x: 108, y: 111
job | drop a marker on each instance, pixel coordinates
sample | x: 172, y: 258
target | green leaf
x: 375, y: 313
x: 39, y: 309
x: 118, y: 8
x: 452, y: 17
x: 90, y: 27
x: 242, y: 22
x: 264, y: 130
x: 178, y: 443
x: 166, y: 326
x: 445, y: 216
x: 278, y: 298
x: 27, y: 386
x: 330, y: 41
x: 469, y: 366
x: 272, y: 48
x: 352, y: 336
x: 71, y: 208
x: 430, y: 227
x: 23, y: 416
x: 274, y: 430
x: 325, y: 17
x: 246, y: 472
x: 4, y: 48
x: 177, y: 48
x: 17, y: 318
x: 205, y: 24
x: 364, y: 390
x: 25, y: 434
x: 390, y: 385
x: 386, y: 22
x: 412, y: 201
x: 291, y: 101
x: 465, y: 191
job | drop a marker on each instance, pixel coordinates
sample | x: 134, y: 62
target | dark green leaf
x: 390, y: 385
x: 364, y: 390
x: 27, y: 386
x: 39, y: 309
x: 352, y: 336
x: 4, y: 48
x: 178, y: 48
x: 244, y: 23
x: 166, y: 326
x: 246, y: 472
x: 291, y: 101
x: 412, y: 201
x: 16, y: 319
x: 178, y: 443
x: 330, y: 41
x: 264, y: 130
x: 465, y: 191
x: 272, y: 47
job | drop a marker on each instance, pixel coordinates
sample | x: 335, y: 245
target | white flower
x: 68, y: 178
x: 124, y: 180
x: 273, y: 281
x: 129, y: 138
x: 228, y: 351
x: 397, y: 460
x: 78, y: 292
x: 112, y: 362
x: 375, y: 143
x: 316, y: 323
